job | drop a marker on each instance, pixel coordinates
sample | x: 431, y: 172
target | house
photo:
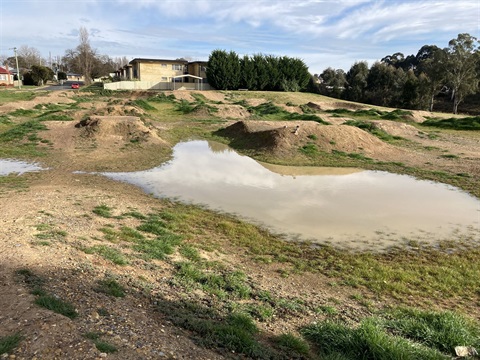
x: 163, y: 74
x: 6, y: 77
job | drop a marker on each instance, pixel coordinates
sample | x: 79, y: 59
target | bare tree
x: 29, y: 56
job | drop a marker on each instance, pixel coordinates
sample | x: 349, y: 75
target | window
x: 177, y: 67
x: 164, y: 78
x: 164, y: 65
x: 3, y: 77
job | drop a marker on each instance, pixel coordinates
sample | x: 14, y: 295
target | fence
x: 153, y: 85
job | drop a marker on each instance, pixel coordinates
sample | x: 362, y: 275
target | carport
x: 198, y: 79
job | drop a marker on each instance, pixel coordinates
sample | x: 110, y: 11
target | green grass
x: 111, y: 287
x: 439, y: 330
x: 9, y: 96
x: 468, y: 123
x: 105, y: 347
x: 374, y: 114
x: 220, y: 283
x: 158, y: 248
x: 291, y: 344
x: 269, y: 110
x: 401, y: 334
x: 57, y: 305
x: 103, y: 211
x: 8, y: 343
x: 373, y: 129
x: 309, y: 149
x: 143, y: 104
x: 368, y: 341
x: 101, y: 346
x: 108, y: 253
x: 21, y: 131
x: 162, y: 98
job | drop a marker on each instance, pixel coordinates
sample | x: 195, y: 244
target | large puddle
x: 347, y: 207
x: 8, y: 166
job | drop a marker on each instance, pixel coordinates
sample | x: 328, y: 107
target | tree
x: 41, y: 74
x: 462, y: 57
x: 223, y: 70
x: 81, y: 59
x: 431, y: 63
x: 356, y: 82
x: 381, y: 84
x: 28, y: 56
x: 332, y: 82
x: 248, y: 74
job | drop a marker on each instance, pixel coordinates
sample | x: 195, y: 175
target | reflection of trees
x: 216, y: 147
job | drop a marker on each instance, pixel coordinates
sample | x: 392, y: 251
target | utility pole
x: 18, y: 69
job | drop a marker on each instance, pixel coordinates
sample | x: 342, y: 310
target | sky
x: 323, y: 33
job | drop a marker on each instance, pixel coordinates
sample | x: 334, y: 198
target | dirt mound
x: 397, y: 128
x: 286, y: 138
x: 314, y: 106
x: 124, y: 128
x: 232, y: 111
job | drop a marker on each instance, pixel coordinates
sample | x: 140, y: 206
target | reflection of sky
x: 14, y: 166
x: 320, y: 206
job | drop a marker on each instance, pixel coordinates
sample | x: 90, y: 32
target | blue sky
x: 324, y: 33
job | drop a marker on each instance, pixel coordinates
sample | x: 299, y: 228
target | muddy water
x: 347, y: 207
x: 8, y: 166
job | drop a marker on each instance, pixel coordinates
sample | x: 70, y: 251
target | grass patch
x: 184, y: 107
x: 23, y: 130
x: 309, y: 149
x: 23, y: 113
x: 143, y: 104
x: 271, y: 111
x: 158, y: 248
x: 103, y: 211
x: 439, y: 330
x: 108, y: 253
x: 111, y: 287
x: 101, y: 346
x: 291, y: 344
x: 373, y: 129
x: 234, y: 333
x: 43, y: 299
x: 9, y: 96
x: 57, y: 305
x: 467, y: 123
x: 222, y: 284
x: 367, y: 341
x: 8, y: 343
x: 162, y: 98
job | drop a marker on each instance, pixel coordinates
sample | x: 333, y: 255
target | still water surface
x: 348, y: 207
x: 9, y: 166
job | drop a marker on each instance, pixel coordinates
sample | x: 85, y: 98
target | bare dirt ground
x: 64, y: 201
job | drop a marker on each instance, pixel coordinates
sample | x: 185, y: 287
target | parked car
x: 75, y: 86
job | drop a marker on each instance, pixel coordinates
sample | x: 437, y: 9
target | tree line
x: 229, y: 71
x: 411, y: 82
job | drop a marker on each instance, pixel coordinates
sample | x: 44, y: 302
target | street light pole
x: 18, y: 70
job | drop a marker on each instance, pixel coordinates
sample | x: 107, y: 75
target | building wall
x: 159, y: 71
x: 154, y: 85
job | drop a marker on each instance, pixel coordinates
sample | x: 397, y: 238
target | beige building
x: 176, y: 73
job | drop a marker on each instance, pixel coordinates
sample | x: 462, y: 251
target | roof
x: 4, y: 71
x: 169, y: 61
x: 182, y: 61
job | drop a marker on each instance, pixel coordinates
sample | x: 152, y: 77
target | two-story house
x: 165, y: 74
